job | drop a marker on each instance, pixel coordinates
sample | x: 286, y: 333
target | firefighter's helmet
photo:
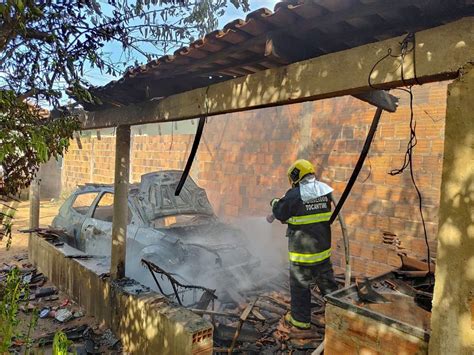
x: 298, y: 170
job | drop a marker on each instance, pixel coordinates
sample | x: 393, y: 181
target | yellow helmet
x: 298, y: 170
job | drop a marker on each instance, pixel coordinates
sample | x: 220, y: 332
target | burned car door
x: 73, y: 213
x: 96, y: 233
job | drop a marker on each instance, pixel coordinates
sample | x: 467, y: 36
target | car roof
x: 159, y: 175
x: 155, y: 194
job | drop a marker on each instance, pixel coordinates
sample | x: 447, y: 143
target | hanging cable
x: 406, y: 48
x: 408, y: 163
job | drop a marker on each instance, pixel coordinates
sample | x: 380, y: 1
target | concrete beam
x: 34, y: 203
x: 439, y: 54
x: 120, y: 218
x: 452, y: 320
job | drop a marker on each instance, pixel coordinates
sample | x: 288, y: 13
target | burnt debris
x: 207, y: 297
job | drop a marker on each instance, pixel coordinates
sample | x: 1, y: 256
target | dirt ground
x: 19, y: 250
x: 19, y: 245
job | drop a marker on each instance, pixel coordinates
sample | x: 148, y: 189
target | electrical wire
x: 408, y: 163
x: 408, y: 158
x: 370, y: 170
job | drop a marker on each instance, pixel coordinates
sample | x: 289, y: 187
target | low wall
x: 350, y: 333
x: 144, y: 321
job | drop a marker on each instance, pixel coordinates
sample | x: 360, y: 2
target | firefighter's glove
x: 274, y: 202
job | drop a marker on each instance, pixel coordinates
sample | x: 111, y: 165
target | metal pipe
x: 319, y: 350
x: 345, y: 239
x: 347, y: 255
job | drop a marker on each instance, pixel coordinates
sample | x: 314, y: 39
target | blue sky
x: 97, y: 78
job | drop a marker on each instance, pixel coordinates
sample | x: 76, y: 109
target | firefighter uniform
x: 306, y: 208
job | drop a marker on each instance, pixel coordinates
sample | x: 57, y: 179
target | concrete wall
x: 453, y: 301
x: 50, y: 175
x: 243, y: 158
x: 146, y: 323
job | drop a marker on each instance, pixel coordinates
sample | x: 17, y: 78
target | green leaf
x: 20, y: 6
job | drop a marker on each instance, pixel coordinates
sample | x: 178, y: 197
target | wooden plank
x: 331, y: 75
x: 243, y: 318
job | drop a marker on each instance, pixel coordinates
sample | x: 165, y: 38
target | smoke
x: 267, y: 242
x: 217, y: 257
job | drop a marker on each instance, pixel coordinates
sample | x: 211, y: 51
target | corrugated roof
x: 295, y: 30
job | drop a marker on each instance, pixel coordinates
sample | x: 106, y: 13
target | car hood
x: 219, y: 239
x: 156, y: 196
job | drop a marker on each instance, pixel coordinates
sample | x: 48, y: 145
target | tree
x: 45, y: 48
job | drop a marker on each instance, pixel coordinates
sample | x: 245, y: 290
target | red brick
x: 335, y: 344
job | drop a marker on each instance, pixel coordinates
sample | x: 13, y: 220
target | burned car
x: 181, y: 234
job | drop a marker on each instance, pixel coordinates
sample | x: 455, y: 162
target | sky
x: 96, y: 78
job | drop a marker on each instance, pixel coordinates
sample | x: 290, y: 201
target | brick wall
x: 243, y: 158
x: 350, y: 333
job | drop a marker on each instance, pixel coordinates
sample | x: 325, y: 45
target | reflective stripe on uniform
x: 302, y: 325
x: 309, y: 219
x: 309, y: 258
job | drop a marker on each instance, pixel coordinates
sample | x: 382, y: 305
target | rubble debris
x: 109, y: 339
x: 413, y: 274
x: 64, y: 303
x: 37, y: 280
x: 258, y: 315
x: 78, y: 314
x: 63, y: 315
x: 104, y: 275
x: 243, y: 318
x: 175, y: 284
x: 206, y: 298
x: 20, y: 257
x: 271, y: 308
x: 51, y: 298
x: 91, y: 347
x: 225, y: 332
x: 424, y: 300
x: 44, y: 313
x: 130, y: 286
x: 415, y: 265
x: 72, y: 333
x: 263, y: 321
x: 84, y: 256
x: 368, y: 294
x: 27, y: 278
x: 45, y: 291
x: 224, y: 314
x: 28, y: 307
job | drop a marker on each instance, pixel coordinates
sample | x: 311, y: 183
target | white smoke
x: 265, y: 242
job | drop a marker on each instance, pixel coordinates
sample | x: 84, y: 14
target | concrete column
x: 452, y: 320
x: 34, y: 202
x: 119, y: 223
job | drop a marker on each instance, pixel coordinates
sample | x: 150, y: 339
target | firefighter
x: 306, y: 208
